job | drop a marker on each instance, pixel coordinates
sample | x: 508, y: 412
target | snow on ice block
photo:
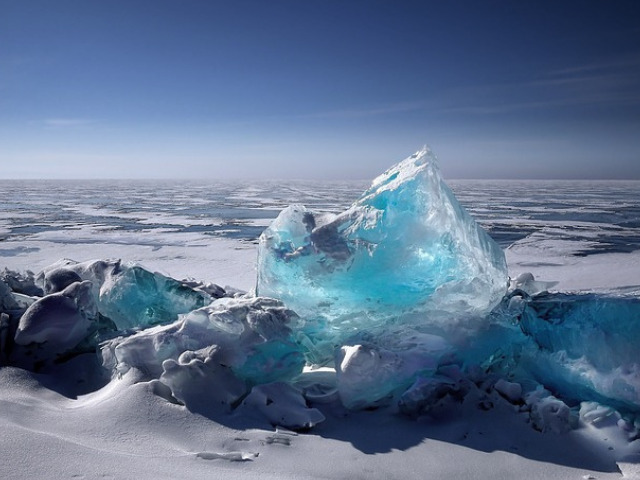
x: 201, y: 382
x: 54, y: 327
x: 586, y: 346
x: 251, y: 338
x: 405, y: 248
x: 128, y: 294
x: 61, y: 320
x: 282, y: 405
x: 370, y: 375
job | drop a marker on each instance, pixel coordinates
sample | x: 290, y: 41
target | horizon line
x: 305, y: 179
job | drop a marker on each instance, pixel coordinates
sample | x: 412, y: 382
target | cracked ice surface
x: 404, y: 253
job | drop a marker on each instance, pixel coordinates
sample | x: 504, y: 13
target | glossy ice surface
x: 405, y: 252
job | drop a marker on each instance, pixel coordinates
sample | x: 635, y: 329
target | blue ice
x: 405, y: 253
x: 585, y: 346
x: 130, y: 295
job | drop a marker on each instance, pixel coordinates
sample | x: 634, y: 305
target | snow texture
x: 210, y: 358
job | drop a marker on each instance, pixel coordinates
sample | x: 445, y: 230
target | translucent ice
x: 128, y: 294
x: 579, y: 346
x: 405, y: 252
x: 585, y: 346
x: 402, y: 293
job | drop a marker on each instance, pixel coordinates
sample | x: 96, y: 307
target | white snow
x: 218, y: 260
x: 124, y: 430
x: 553, y: 261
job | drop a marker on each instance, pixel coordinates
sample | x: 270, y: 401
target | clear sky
x: 318, y: 88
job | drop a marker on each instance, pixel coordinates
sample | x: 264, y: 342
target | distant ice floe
x: 403, y: 299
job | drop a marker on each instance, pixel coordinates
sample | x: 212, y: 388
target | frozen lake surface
x: 208, y: 230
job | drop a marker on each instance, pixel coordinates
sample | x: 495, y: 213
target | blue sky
x: 318, y: 88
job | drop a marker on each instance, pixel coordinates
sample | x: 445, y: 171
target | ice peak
x: 419, y: 163
x: 404, y: 252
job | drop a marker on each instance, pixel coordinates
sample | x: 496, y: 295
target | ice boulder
x: 58, y: 326
x: 127, y: 293
x: 585, y: 346
x: 61, y: 319
x: 405, y: 252
x: 214, y: 355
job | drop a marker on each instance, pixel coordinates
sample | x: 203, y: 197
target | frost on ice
x: 405, y: 252
x: 403, y: 295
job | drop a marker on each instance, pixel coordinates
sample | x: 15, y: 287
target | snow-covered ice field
x: 583, y: 234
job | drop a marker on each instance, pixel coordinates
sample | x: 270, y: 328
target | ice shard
x: 405, y: 252
x: 128, y: 294
x: 585, y: 346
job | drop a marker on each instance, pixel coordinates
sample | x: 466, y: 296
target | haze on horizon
x: 318, y: 89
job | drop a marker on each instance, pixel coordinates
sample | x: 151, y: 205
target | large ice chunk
x: 61, y: 319
x: 585, y: 346
x: 214, y: 354
x: 405, y: 252
x: 127, y: 293
x: 57, y: 326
